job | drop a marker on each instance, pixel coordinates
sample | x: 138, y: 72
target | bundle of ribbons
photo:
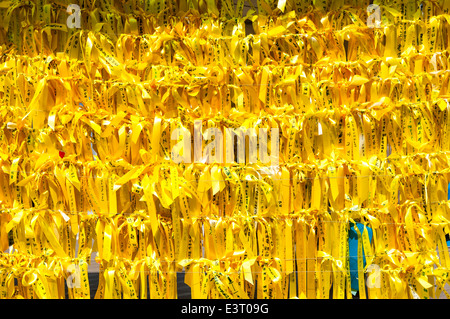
x: 352, y: 96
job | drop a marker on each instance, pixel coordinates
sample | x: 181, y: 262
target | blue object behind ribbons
x: 353, y: 252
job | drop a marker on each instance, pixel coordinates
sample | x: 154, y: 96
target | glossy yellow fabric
x: 87, y: 117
